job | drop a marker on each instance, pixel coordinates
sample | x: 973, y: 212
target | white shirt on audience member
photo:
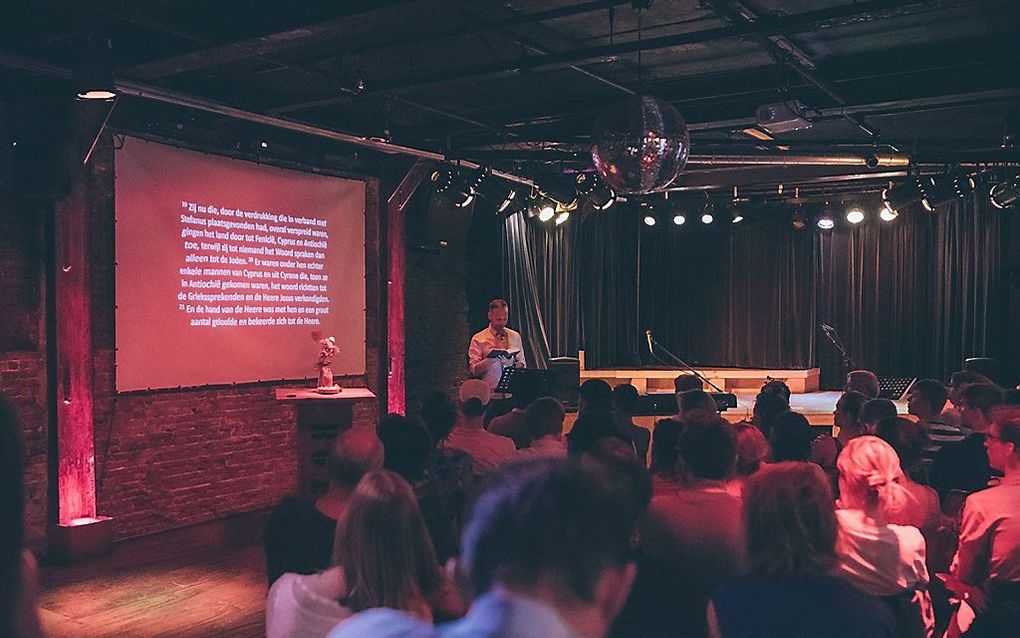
x: 305, y: 605
x: 881, y: 560
x: 547, y: 446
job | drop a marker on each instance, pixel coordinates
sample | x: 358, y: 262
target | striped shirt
x: 940, y: 434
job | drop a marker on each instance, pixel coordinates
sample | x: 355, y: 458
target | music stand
x: 514, y: 378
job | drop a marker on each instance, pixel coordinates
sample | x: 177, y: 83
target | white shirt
x: 487, y: 340
x: 881, y: 560
x: 547, y: 446
x: 486, y: 450
x: 305, y: 605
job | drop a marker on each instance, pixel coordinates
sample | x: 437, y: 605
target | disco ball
x: 641, y: 145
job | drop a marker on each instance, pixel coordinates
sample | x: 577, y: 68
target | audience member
x: 921, y: 508
x: 625, y: 397
x: 591, y: 428
x: 486, y: 450
x: 382, y: 557
x: 513, y: 424
x: 686, y: 383
x: 752, y: 451
x: 449, y: 476
x: 791, y: 535
x: 696, y: 528
x: 299, y: 534
x: 544, y: 418
x: 19, y: 572
x: 683, y: 384
x: 825, y: 449
x: 874, y: 411
x: 767, y: 407
x: 926, y: 401
x: 790, y: 438
x: 964, y: 465
x: 958, y: 381
x: 863, y: 381
x: 986, y: 571
x: 880, y: 558
x: 696, y: 404
x: 406, y: 446
x: 847, y: 417
x: 666, y: 455
x: 778, y: 388
x: 617, y: 459
x: 526, y: 580
x: 595, y: 397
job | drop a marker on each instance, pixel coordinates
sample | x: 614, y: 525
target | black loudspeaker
x: 566, y: 379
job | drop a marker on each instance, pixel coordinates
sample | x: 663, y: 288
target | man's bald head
x: 356, y: 451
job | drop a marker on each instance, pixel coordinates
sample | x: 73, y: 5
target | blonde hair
x: 384, y: 548
x: 870, y: 475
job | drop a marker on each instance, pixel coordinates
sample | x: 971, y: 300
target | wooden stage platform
x: 650, y: 380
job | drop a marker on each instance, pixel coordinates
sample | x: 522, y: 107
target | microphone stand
x: 830, y: 332
x: 681, y: 362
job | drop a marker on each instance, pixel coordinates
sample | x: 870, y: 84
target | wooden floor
x: 206, y: 580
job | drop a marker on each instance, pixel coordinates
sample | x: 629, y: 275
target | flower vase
x: 326, y: 385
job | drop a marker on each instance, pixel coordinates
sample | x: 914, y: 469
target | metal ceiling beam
x: 806, y: 21
x: 267, y: 44
x: 786, y: 52
x: 330, y: 80
x: 167, y: 96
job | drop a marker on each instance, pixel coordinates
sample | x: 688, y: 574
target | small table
x: 319, y: 418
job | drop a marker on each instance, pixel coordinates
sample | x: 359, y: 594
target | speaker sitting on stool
x: 566, y: 374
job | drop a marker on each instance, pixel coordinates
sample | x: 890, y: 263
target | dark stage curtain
x: 913, y: 297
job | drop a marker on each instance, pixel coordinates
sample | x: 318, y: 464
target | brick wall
x: 22, y: 334
x: 164, y: 459
x: 437, y: 326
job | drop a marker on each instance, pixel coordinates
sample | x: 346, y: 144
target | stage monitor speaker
x: 566, y: 373
x: 983, y: 365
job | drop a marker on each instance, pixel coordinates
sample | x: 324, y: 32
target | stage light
x: 825, y: 221
x: 736, y: 216
x: 887, y: 214
x: 93, y: 79
x: 600, y: 194
x: 456, y: 187
x: 1006, y: 194
x: 708, y: 211
x: 855, y: 214
x: 902, y: 195
x: 544, y: 208
x: 442, y: 179
x: 945, y: 188
x: 562, y: 217
x: 649, y: 219
x: 798, y: 220
x: 679, y: 219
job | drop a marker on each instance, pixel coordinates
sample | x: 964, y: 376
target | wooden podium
x: 319, y: 418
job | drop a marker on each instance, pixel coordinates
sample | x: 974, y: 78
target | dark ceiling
x: 514, y: 83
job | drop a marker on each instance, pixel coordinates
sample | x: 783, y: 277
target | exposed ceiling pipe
x: 787, y: 159
x: 166, y: 96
